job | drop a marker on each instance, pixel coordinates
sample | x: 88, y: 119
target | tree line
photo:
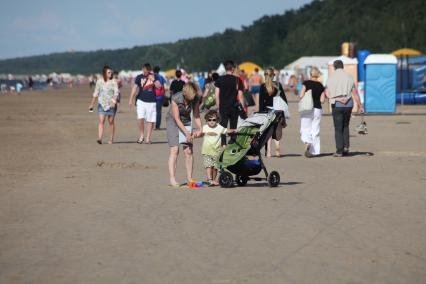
x: 317, y: 28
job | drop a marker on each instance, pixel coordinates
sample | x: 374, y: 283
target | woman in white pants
x: 310, y: 121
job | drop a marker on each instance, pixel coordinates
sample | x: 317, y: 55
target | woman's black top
x: 317, y: 89
x: 266, y: 100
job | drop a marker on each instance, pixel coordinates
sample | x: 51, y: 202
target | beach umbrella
x: 406, y: 52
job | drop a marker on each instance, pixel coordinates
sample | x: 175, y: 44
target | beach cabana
x: 350, y: 66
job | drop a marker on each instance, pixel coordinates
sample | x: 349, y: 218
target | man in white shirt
x: 342, y: 92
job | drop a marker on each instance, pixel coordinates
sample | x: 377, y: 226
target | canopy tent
x: 249, y: 67
x: 310, y: 61
x: 406, y: 52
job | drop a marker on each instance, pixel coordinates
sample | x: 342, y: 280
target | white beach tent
x: 304, y: 64
x: 221, y: 69
x: 309, y: 61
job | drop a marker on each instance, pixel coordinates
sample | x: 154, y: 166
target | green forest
x: 318, y: 28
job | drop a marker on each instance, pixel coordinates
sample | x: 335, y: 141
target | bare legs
x: 101, y: 127
x: 189, y: 162
x: 141, y: 128
x: 277, y: 148
x: 211, y: 175
x: 142, y: 124
x: 101, y: 123
x: 111, y: 128
x: 174, y: 152
x: 256, y: 102
x: 149, y: 127
x: 269, y: 148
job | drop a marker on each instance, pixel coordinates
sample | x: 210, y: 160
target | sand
x: 72, y: 211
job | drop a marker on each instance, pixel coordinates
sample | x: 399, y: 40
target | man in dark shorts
x: 229, y: 91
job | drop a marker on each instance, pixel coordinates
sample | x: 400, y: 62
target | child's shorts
x: 209, y: 161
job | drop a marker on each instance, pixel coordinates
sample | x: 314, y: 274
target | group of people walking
x: 184, y: 122
x: 342, y: 92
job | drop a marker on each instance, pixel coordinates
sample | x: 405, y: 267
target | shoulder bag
x: 306, y: 103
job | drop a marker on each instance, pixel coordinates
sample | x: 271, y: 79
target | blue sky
x: 44, y: 26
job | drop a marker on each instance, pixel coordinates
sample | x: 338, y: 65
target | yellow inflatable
x: 170, y: 73
x: 249, y: 67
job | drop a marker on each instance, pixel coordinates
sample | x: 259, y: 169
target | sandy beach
x: 73, y: 211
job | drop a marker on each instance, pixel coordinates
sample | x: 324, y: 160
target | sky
x: 46, y: 26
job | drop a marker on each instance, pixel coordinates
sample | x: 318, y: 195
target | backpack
x: 210, y: 99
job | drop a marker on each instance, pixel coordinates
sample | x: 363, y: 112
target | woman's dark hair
x: 178, y: 73
x: 211, y: 113
x: 215, y: 76
x: 156, y: 69
x: 104, y: 72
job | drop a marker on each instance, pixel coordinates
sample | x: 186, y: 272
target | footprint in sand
x: 123, y: 165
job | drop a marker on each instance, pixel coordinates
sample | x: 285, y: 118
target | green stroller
x: 242, y: 154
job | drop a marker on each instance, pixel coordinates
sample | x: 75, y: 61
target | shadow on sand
x: 265, y: 184
x: 350, y: 154
x: 357, y: 153
x: 288, y: 156
x: 134, y: 142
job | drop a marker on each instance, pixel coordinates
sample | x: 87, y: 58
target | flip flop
x: 99, y: 141
x: 140, y: 141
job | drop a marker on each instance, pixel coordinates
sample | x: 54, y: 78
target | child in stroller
x: 242, y: 155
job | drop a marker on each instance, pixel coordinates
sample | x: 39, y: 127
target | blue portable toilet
x: 380, y: 83
x: 362, y: 55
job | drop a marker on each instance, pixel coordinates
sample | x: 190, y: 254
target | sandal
x: 140, y: 141
x: 99, y: 141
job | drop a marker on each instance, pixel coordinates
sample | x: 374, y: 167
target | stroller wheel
x: 226, y: 180
x: 274, y: 179
x: 241, y: 180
